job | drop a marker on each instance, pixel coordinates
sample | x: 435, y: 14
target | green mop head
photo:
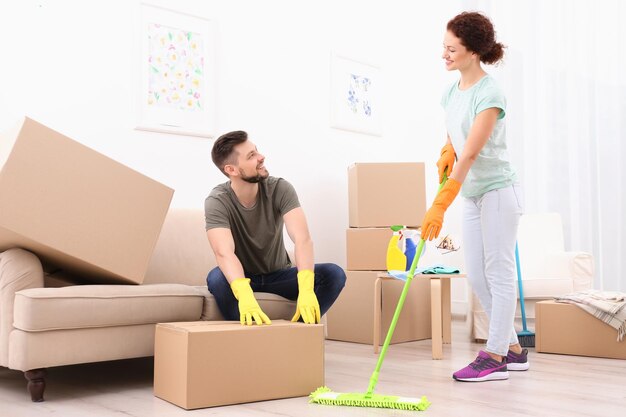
x: 325, y: 396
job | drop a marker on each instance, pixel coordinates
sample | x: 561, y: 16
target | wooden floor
x: 554, y: 386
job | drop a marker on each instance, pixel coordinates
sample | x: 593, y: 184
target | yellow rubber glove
x: 307, y: 305
x: 433, y: 220
x: 248, y: 307
x: 446, y: 160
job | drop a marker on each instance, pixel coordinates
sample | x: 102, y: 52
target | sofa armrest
x: 19, y: 270
x: 583, y: 269
x: 577, y: 266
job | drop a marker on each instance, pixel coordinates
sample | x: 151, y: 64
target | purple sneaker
x: 517, y: 362
x: 484, y: 368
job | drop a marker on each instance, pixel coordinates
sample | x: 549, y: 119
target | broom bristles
x: 526, y: 340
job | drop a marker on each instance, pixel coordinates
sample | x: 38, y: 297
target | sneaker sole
x: 494, y: 376
x: 518, y: 366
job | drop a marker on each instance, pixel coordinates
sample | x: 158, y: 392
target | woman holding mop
x: 475, y: 122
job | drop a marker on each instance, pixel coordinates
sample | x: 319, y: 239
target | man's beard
x: 253, y: 179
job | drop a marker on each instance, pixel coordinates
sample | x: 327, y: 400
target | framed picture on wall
x: 355, y: 102
x: 176, y: 72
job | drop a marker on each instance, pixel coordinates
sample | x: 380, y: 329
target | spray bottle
x: 409, y: 247
x: 396, y: 260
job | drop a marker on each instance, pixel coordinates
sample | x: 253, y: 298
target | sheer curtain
x: 566, y: 89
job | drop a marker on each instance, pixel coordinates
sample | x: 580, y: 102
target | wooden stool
x: 441, y: 318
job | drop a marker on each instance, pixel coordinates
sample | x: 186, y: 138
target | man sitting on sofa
x: 244, y: 223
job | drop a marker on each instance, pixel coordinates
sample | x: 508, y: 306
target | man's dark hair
x: 223, y: 152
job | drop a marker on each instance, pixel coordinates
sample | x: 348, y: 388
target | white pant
x: 489, y: 235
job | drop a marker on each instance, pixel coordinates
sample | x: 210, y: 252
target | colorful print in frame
x: 176, y: 92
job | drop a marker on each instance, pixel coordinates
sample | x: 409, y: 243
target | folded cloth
x: 608, y: 306
x: 435, y: 269
x: 440, y: 269
x: 401, y: 275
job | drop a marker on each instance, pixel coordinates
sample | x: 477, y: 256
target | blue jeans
x: 329, y: 281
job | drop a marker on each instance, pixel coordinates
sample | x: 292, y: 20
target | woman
x: 475, y: 110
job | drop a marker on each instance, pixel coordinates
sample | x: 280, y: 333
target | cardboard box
x: 76, y: 208
x: 366, y: 248
x: 569, y: 330
x: 208, y: 364
x: 385, y: 194
x: 351, y: 318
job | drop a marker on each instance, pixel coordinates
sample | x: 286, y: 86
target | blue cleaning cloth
x: 440, y: 269
x: 435, y: 269
x: 401, y: 275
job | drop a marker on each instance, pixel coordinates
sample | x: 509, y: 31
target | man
x: 244, y: 223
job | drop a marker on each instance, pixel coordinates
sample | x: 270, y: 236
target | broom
x: 526, y: 337
x: 325, y: 396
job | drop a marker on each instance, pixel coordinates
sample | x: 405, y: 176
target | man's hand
x: 308, y: 307
x: 248, y: 306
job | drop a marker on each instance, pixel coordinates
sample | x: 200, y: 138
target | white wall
x: 70, y: 65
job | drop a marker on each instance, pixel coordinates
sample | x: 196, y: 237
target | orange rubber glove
x: 446, y: 160
x: 433, y: 220
x: 248, y: 306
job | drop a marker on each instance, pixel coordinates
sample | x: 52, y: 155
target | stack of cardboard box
x: 380, y: 195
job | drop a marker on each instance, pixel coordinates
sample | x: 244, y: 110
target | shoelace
x: 481, y: 363
x: 515, y: 356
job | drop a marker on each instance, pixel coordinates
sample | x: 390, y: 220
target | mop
x: 325, y: 396
x: 526, y: 337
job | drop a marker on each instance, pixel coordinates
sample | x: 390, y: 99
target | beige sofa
x: 56, y: 319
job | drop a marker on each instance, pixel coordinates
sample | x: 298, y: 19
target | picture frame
x: 175, y: 85
x: 355, y: 95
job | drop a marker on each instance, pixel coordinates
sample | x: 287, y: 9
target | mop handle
x: 394, y: 321
x: 396, y: 314
x: 521, y: 288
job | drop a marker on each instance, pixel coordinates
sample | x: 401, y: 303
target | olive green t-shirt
x: 257, y: 231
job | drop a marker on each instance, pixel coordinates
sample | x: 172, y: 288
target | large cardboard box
x: 567, y: 329
x: 366, y: 248
x: 385, y: 194
x: 76, y: 208
x: 351, y: 318
x: 207, y: 364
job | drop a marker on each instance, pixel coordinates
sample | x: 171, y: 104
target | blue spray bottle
x: 409, y: 249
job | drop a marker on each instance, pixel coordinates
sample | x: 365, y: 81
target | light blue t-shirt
x: 492, y: 169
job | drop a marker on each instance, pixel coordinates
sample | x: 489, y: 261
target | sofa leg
x: 36, y: 383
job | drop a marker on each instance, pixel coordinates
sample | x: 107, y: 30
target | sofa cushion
x: 83, y: 306
x: 547, y: 287
x: 275, y: 306
x: 182, y: 253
